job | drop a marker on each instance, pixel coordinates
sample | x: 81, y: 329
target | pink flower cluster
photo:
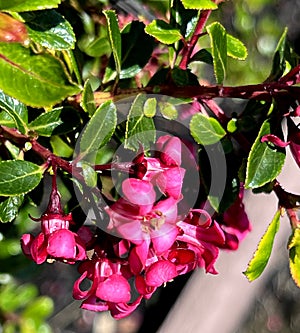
x: 149, y: 242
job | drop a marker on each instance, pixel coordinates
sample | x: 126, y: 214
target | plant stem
x: 190, y: 45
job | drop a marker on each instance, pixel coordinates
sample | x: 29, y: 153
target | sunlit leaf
x: 261, y: 257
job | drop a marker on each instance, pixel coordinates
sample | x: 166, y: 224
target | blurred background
x: 41, y: 296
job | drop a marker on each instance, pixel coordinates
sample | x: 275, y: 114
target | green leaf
x: 168, y: 110
x: 88, y: 102
x: 137, y: 48
x: 163, y: 32
x: 45, y: 123
x: 38, y: 80
x: 140, y: 130
x: 89, y: 174
x: 279, y: 58
x: 217, y: 34
x: 99, y: 129
x: 9, y: 208
x: 235, y: 48
x: 16, y: 110
x: 60, y: 148
x: 204, y: 56
x: 294, y: 255
x: 261, y: 257
x: 264, y: 161
x: 18, y: 177
x: 27, y: 5
x: 114, y: 36
x: 206, y: 130
x: 150, y: 107
x: 97, y: 47
x: 199, y: 4
x: 49, y: 29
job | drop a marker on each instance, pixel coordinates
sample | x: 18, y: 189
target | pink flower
x: 294, y: 138
x: 109, y: 291
x: 164, y: 169
x: 55, y: 241
x: 235, y: 223
x: 200, y: 239
x: 141, y: 221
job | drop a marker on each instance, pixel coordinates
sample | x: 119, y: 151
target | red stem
x: 190, y: 45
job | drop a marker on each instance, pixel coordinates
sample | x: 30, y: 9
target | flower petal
x: 114, y: 289
x: 139, y: 192
x: 160, y: 272
x: 61, y: 244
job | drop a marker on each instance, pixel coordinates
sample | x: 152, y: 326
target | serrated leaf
x: 261, y: 257
x: 18, y: 177
x: 140, y: 130
x: 38, y: 80
x: 16, y: 110
x: 114, y: 37
x: 206, y: 130
x: 218, y: 39
x: 45, y: 123
x: 49, y: 29
x: 99, y: 129
x: 264, y: 161
x: 9, y: 208
x: 199, y: 4
x: 163, y: 32
x: 88, y: 102
x: 27, y: 5
x: 235, y: 48
x: 294, y: 255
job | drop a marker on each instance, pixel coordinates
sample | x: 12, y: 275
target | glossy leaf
x: 27, y: 5
x: 49, y: 29
x: 206, y: 130
x: 99, y: 129
x: 294, y: 255
x: 37, y: 80
x: 261, y: 257
x: 265, y: 161
x: 9, y: 208
x: 235, y: 48
x: 199, y: 4
x: 15, y: 110
x: 217, y: 34
x: 114, y: 36
x: 18, y: 177
x: 163, y: 32
x: 45, y: 123
x: 140, y: 130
